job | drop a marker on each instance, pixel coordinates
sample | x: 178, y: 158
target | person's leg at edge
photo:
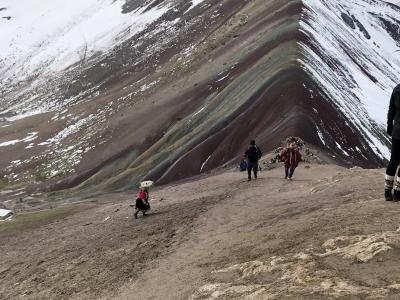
x: 391, y: 173
x: 255, y: 169
x: 286, y: 172
x: 249, y: 167
x: 291, y: 172
x: 396, y: 187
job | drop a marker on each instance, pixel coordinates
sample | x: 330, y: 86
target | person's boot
x: 396, y: 195
x: 396, y: 190
x: 389, y: 181
x: 136, y: 214
x: 388, y: 195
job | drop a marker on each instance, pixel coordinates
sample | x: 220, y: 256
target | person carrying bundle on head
x: 142, y: 201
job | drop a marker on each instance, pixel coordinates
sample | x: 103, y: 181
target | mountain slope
x: 169, y: 89
x: 350, y: 51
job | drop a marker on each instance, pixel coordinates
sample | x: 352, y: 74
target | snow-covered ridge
x: 47, y: 46
x: 50, y: 35
x: 352, y: 54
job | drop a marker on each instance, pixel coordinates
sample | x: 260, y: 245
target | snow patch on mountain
x: 67, y: 131
x: 47, y: 45
x: 195, y: 3
x: 29, y: 138
x: 50, y: 35
x: 351, y: 53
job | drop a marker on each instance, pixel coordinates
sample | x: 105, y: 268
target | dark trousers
x: 394, y: 158
x: 252, y: 166
x: 142, y: 204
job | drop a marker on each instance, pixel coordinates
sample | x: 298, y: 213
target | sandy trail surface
x: 327, y: 234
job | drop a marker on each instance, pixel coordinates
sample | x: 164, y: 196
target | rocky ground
x: 328, y: 234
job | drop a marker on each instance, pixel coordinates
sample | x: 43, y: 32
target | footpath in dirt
x: 327, y: 234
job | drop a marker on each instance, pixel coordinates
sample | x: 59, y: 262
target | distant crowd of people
x: 291, y: 157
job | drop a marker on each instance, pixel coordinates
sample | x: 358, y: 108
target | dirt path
x: 327, y: 234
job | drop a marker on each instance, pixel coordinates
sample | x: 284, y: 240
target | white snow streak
x: 194, y: 4
x: 204, y: 163
x: 31, y: 136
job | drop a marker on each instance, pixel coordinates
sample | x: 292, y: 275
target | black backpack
x: 253, y: 153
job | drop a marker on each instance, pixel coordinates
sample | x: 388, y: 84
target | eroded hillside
x: 127, y: 90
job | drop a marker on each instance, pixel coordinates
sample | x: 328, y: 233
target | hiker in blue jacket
x: 243, y: 164
x: 252, y: 154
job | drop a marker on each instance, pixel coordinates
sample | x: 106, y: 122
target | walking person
x: 252, y: 154
x: 242, y: 164
x: 392, y: 184
x: 291, y: 157
x: 142, y: 201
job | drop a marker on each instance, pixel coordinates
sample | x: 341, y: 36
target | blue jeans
x: 289, y: 172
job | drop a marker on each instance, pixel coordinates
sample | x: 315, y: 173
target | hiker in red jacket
x: 291, y: 157
x: 142, y: 202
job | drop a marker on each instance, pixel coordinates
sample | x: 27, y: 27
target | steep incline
x: 166, y: 89
x: 349, y: 49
